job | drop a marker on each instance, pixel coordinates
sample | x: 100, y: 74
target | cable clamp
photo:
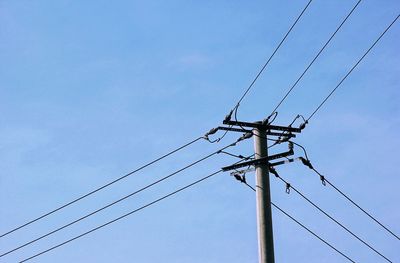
x: 229, y: 116
x: 243, y: 157
x: 210, y: 132
x: 267, y: 122
x: 306, y: 163
x: 273, y: 171
x: 245, y: 136
x: 322, y: 180
x: 233, y: 144
x: 240, y: 178
x: 282, y: 139
x: 303, y: 125
x: 288, y: 188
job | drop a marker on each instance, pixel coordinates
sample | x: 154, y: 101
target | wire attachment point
x: 245, y: 136
x: 240, y: 178
x: 210, y: 132
x: 288, y: 188
x: 322, y: 180
x: 273, y: 171
x: 303, y: 125
x: 306, y: 163
x: 267, y: 121
x: 283, y: 139
x: 229, y: 116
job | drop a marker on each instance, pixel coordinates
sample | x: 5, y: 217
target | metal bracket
x: 240, y: 172
x: 263, y: 160
x: 283, y: 162
x: 261, y: 125
x: 233, y: 129
x: 289, y: 135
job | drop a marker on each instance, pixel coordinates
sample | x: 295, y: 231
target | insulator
x: 303, y: 125
x: 228, y: 117
x: 212, y: 131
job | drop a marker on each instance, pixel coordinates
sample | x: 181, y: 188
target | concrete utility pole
x: 263, y: 195
x: 262, y: 163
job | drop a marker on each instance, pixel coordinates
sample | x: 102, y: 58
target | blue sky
x: 90, y: 90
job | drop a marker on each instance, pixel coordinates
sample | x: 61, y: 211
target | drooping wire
x: 125, y: 215
x: 100, y: 188
x: 316, y: 57
x: 269, y: 59
x: 309, y: 230
x: 325, y: 181
x: 351, y: 70
x: 357, y: 205
x: 121, y: 199
x: 304, y: 149
x: 219, y: 138
x: 121, y: 217
x: 290, y: 186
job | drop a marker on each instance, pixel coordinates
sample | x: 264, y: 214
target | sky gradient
x: 90, y: 90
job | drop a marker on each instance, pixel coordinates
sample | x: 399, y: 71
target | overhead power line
x: 99, y: 188
x: 290, y: 186
x: 355, y: 65
x: 324, y: 181
x: 270, y: 58
x: 121, y: 217
x: 316, y: 56
x: 122, y: 199
x: 314, y: 234
x: 358, y: 206
x: 306, y: 228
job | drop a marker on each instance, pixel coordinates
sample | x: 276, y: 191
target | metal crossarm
x: 283, y: 162
x: 263, y: 160
x: 262, y: 126
x: 232, y: 129
x: 222, y: 128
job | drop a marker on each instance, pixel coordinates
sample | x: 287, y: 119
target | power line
x: 235, y: 155
x: 306, y: 228
x: 121, y: 217
x: 270, y: 58
x: 120, y: 200
x: 314, y: 234
x: 358, y: 206
x: 301, y: 146
x: 315, y: 58
x: 351, y: 70
x: 99, y: 188
x: 288, y: 185
x: 323, y: 102
x: 325, y: 180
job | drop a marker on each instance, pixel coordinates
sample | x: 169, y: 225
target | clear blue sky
x: 90, y: 90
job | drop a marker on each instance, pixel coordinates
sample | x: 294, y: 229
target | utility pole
x: 263, y: 198
x: 260, y: 130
